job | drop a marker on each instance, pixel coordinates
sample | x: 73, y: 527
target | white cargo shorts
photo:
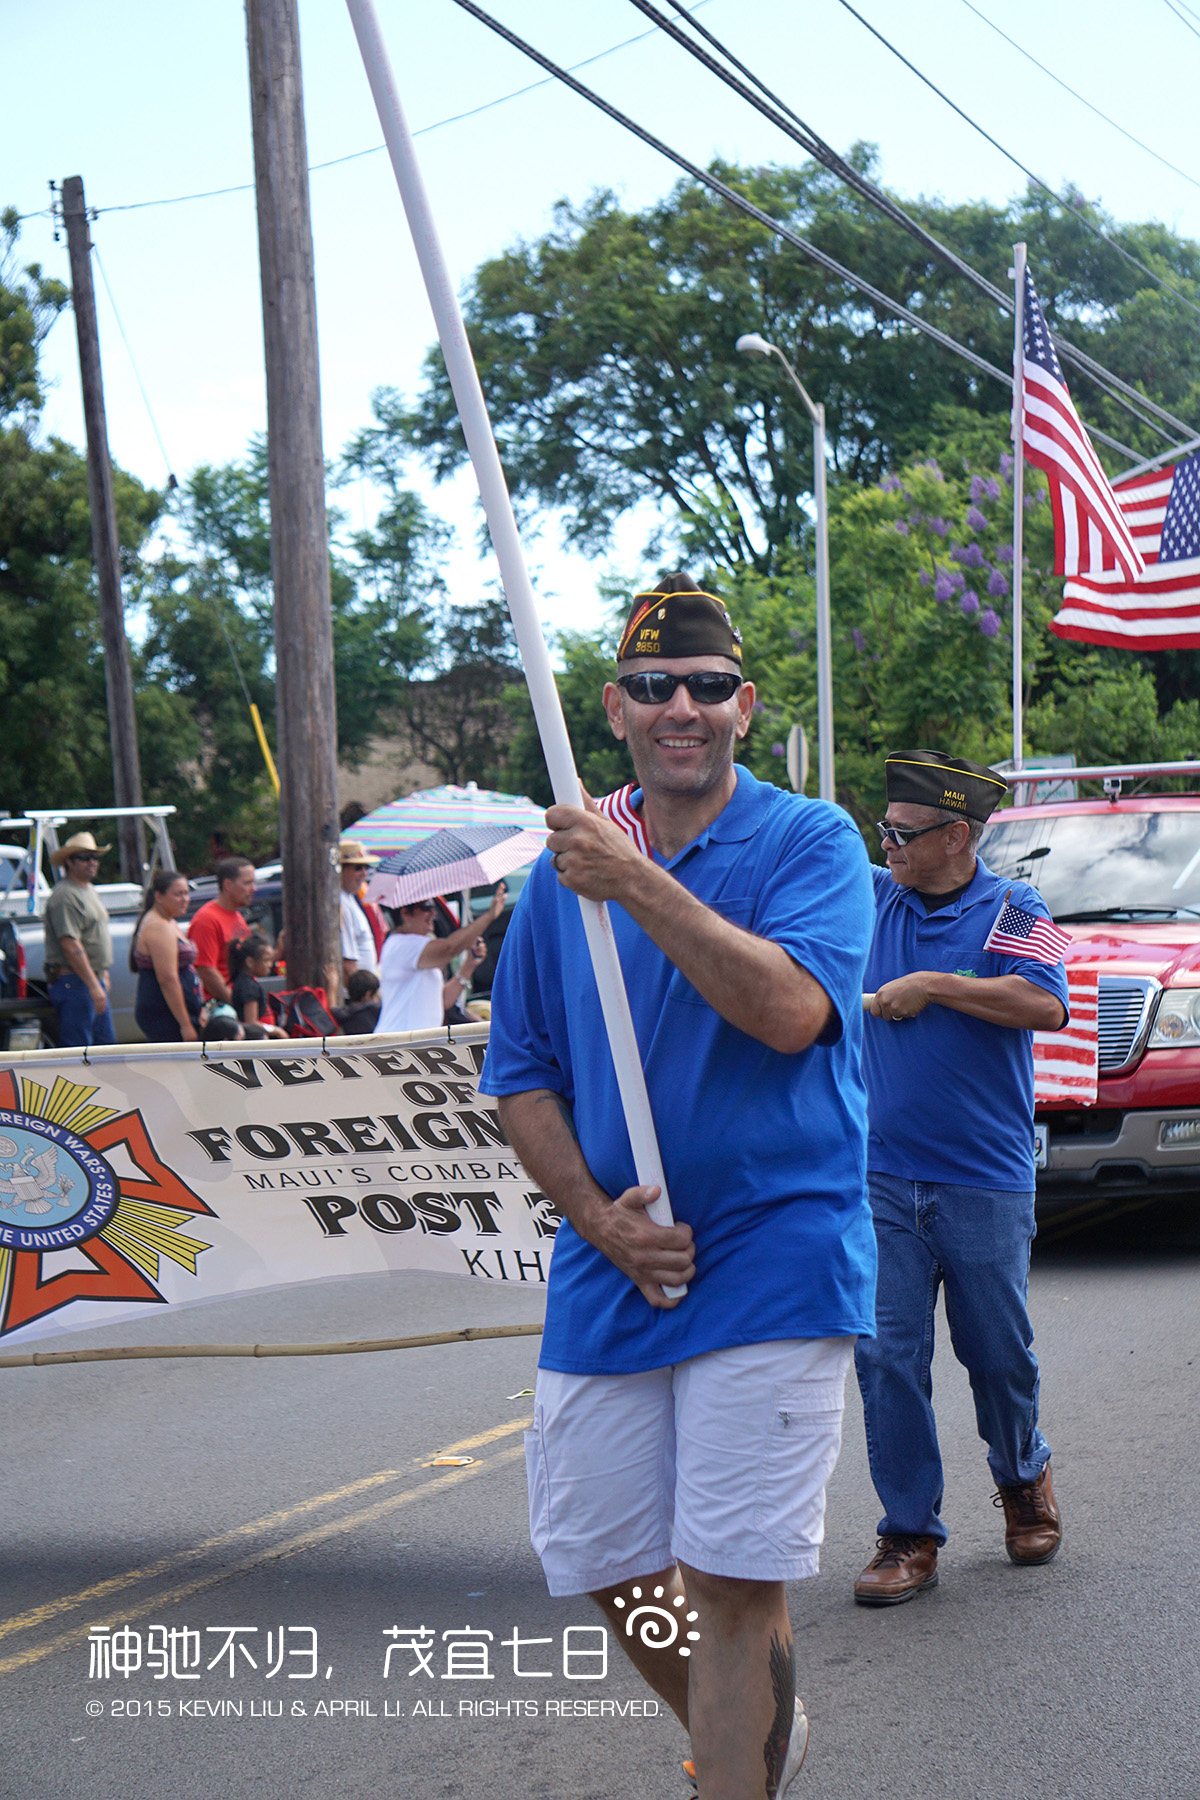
x: 720, y: 1462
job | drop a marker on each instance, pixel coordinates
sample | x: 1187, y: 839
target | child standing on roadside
x: 250, y: 962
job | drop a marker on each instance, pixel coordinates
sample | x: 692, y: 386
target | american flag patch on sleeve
x: 1016, y: 932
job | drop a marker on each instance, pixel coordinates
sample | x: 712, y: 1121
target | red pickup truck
x: 1122, y: 874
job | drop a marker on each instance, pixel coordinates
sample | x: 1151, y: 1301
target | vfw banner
x: 160, y: 1176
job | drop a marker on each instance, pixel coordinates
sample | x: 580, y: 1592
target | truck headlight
x: 1177, y: 1024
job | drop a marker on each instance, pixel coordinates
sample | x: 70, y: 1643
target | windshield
x: 1102, y: 862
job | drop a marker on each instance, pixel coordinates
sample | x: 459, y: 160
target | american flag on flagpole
x: 1016, y: 932
x: 1066, y: 1062
x: 1091, y: 533
x: 1160, y: 611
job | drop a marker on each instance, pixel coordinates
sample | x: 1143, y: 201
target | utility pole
x: 106, y: 550
x: 306, y: 708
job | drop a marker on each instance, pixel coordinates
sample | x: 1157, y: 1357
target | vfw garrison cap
x: 679, y: 621
x: 927, y: 778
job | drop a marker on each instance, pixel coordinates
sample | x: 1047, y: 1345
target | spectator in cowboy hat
x: 358, y: 940
x: 78, y: 945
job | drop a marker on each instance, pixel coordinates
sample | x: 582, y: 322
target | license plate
x: 1041, y: 1146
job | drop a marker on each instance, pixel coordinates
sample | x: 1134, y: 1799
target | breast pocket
x: 739, y: 911
x: 973, y: 966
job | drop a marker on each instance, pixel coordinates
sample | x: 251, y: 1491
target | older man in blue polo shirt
x: 680, y: 1447
x: 948, y: 1057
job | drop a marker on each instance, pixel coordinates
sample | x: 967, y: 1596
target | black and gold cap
x: 927, y: 778
x: 679, y: 622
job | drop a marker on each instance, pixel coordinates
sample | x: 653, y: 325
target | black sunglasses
x: 904, y: 834
x: 86, y: 856
x: 708, y: 687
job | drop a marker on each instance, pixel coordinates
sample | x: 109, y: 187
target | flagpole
x: 518, y: 590
x: 1018, y: 487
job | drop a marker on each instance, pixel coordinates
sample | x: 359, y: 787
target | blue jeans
x: 78, y: 1020
x: 976, y: 1242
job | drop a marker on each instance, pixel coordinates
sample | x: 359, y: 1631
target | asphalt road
x: 295, y: 1497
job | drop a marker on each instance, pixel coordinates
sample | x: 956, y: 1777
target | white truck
x: 27, y: 877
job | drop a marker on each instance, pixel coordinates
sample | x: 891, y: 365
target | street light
x: 754, y: 345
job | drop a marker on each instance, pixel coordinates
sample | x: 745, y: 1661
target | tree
x: 459, y: 715
x: 606, y: 350
x: 921, y: 575
x: 603, y: 763
x: 54, y: 750
x: 381, y: 584
x: 921, y: 572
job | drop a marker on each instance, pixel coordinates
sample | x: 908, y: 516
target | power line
x: 171, y: 481
x: 1076, y: 95
x: 247, y: 187
x: 1016, y: 161
x: 1182, y: 20
x: 808, y: 139
x: 733, y: 198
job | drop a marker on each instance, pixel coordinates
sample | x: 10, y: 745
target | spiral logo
x: 659, y: 1627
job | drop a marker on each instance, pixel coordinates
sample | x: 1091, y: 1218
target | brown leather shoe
x: 900, y: 1568
x: 1032, y: 1527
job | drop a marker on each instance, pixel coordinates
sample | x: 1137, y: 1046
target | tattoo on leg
x: 783, y: 1686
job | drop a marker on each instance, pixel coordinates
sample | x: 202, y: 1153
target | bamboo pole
x: 148, y: 1352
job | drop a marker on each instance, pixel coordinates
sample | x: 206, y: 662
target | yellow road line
x: 306, y: 1540
x: 100, y: 1590
x: 483, y: 1437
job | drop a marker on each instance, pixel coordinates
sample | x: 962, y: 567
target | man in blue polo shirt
x: 948, y: 1058
x: 680, y: 1447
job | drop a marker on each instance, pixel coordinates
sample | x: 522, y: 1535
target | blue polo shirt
x: 764, y: 1153
x: 951, y: 1097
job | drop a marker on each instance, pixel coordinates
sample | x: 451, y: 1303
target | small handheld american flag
x: 1016, y: 932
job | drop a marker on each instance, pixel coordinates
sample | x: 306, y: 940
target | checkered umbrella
x: 402, y: 823
x: 448, y: 861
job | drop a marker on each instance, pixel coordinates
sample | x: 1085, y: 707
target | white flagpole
x: 497, y: 505
x: 1018, y: 487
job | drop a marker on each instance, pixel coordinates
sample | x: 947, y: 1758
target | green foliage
x: 55, y: 747
x: 29, y: 304
x: 920, y: 578
x: 460, y: 715
x: 603, y: 763
x: 198, y: 746
x: 380, y: 593
x: 606, y: 351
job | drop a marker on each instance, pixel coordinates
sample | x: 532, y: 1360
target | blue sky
x: 147, y: 101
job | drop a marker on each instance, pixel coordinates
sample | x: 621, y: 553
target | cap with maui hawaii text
x: 927, y: 778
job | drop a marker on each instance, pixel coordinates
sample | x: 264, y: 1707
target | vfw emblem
x: 83, y: 1179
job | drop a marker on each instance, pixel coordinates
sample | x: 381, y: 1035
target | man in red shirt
x: 219, y: 923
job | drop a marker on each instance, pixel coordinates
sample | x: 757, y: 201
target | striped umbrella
x: 403, y: 822
x: 474, y: 856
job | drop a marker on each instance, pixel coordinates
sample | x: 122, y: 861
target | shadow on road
x: 1105, y: 1230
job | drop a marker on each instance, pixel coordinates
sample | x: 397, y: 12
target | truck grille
x: 1125, y: 1010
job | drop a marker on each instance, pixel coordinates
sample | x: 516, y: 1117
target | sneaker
x: 901, y: 1567
x: 797, y: 1745
x: 1032, y: 1526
